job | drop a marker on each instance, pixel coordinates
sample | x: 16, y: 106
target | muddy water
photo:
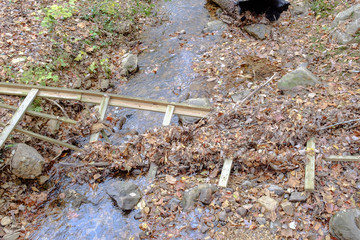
x: 165, y: 67
x: 165, y: 73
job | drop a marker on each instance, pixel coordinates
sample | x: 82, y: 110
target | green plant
x: 80, y: 56
x: 36, y: 105
x: 93, y: 66
x: 323, y: 8
x: 55, y: 12
x: 104, y: 63
x: 39, y: 74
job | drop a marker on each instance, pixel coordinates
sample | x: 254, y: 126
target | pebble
x: 261, y: 221
x: 5, y: 221
x: 276, y: 189
x: 298, y: 197
x: 222, y: 216
x: 242, y: 211
x: 288, y: 208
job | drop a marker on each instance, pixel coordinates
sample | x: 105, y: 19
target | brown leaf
x: 170, y: 179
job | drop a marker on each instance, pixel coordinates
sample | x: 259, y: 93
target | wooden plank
x: 310, y: 165
x: 44, y: 138
x: 225, y: 172
x: 168, y: 115
x: 96, y: 97
x: 17, y: 116
x: 152, y: 172
x: 102, y: 110
x: 38, y: 114
x: 343, y: 158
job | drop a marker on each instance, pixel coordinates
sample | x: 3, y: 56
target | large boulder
x: 26, y: 163
x: 202, y: 102
x: 346, y: 25
x: 299, y: 77
x: 345, y: 225
x: 125, y: 194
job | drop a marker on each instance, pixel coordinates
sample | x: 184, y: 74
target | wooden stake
x: 102, y: 110
x: 17, y: 116
x: 38, y: 114
x: 168, y: 115
x: 44, y: 138
x: 310, y: 166
x: 343, y: 158
x: 225, y: 172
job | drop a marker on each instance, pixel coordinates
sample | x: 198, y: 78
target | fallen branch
x: 339, y: 123
x: 257, y: 90
x: 58, y: 105
x: 97, y: 164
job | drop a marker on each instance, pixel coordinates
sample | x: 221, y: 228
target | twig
x: 97, y: 164
x: 258, y: 89
x: 339, y: 123
x: 58, y: 105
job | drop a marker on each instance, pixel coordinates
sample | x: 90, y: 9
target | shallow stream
x: 165, y: 73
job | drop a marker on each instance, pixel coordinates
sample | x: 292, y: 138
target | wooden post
x: 343, y: 158
x: 168, y: 115
x: 17, y: 116
x: 225, y: 172
x: 102, y: 110
x: 310, y: 165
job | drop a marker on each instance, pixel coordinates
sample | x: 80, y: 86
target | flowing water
x: 165, y: 73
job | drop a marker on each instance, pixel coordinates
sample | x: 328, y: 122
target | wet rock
x: 125, y: 194
x: 223, y: 215
x: 215, y: 26
x: 261, y: 220
x: 276, y: 189
x: 203, y: 102
x: 129, y: 63
x: 26, y: 163
x: 5, y: 221
x: 299, y: 77
x: 53, y: 126
x: 191, y: 195
x: 288, y: 208
x: 346, y: 25
x: 268, y: 203
x: 345, y: 225
x: 75, y: 199
x: 242, y: 211
x: 258, y: 31
x: 298, y: 197
x: 206, y: 196
x: 138, y: 216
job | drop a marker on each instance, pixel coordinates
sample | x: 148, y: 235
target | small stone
x: 130, y: 63
x: 215, y: 26
x: 11, y: 236
x: 104, y: 84
x: 299, y: 77
x: 246, y: 184
x: 258, y: 31
x: 288, y: 208
x: 276, y: 189
x: 173, y: 204
x: 43, y: 179
x: 222, y: 216
x: 204, y: 228
x: 274, y: 227
x: 242, y: 211
x: 182, y: 32
x: 126, y: 194
x: 268, y: 203
x: 5, y: 221
x: 138, y: 216
x: 261, y: 221
x: 292, y: 225
x: 53, y: 126
x: 298, y: 197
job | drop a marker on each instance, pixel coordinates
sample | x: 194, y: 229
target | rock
x: 53, y: 126
x: 26, y: 163
x: 18, y: 60
x: 215, y: 26
x: 223, y: 215
x: 138, y: 216
x: 346, y: 26
x: 75, y: 199
x: 274, y: 227
x: 261, y: 220
x: 104, y: 84
x: 206, y: 196
x: 173, y: 204
x: 242, y: 211
x: 298, y: 197
x: 276, y: 189
x: 203, y: 102
x: 129, y: 63
x: 204, y: 228
x: 43, y: 179
x: 11, y: 236
x: 125, y: 194
x: 288, y: 208
x: 299, y: 77
x: 258, y: 31
x: 190, y: 195
x: 247, y: 184
x: 345, y: 225
x: 268, y: 203
x: 239, y: 96
x: 300, y: 8
x: 5, y: 221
